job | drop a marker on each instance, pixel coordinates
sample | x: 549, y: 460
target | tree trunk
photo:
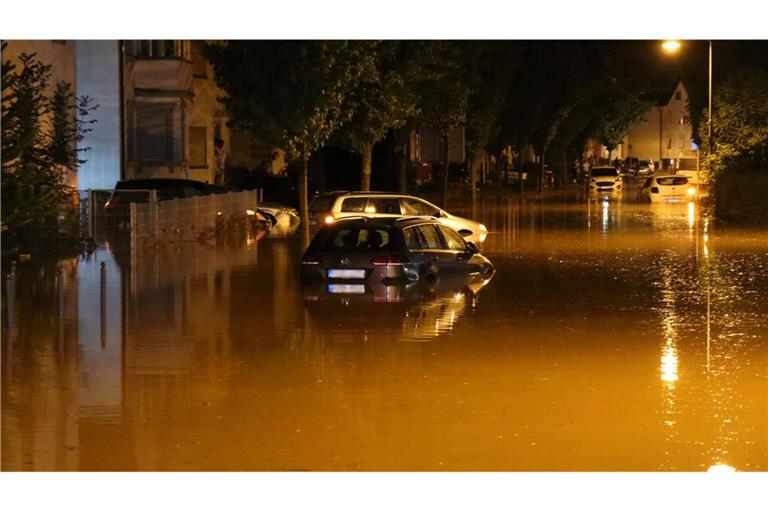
x: 473, y: 167
x: 304, y: 195
x: 401, y: 156
x: 444, y: 195
x: 499, y: 172
x: 365, y: 175
x: 541, y: 169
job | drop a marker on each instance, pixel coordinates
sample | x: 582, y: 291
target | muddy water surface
x: 614, y: 336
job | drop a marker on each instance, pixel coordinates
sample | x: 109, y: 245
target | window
x: 361, y: 239
x: 198, y: 145
x: 677, y: 180
x: 453, y: 240
x: 154, y: 132
x: 416, y: 207
x: 199, y: 62
x: 669, y: 142
x: 678, y: 95
x: 386, y: 205
x: 155, y: 49
x: 430, y: 238
x: 354, y: 204
x: 412, y: 240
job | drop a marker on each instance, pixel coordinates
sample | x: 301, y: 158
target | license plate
x: 346, y: 288
x: 337, y: 273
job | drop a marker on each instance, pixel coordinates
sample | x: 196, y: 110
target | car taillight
x: 310, y: 260
x: 379, y: 261
x: 655, y: 190
x: 110, y: 203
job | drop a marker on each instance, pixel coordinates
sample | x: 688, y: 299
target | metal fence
x: 148, y: 219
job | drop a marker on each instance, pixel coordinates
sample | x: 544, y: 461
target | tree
x: 288, y: 93
x: 381, y: 101
x: 739, y: 121
x: 66, y: 133
x: 443, y: 92
x: 621, y: 110
x: 40, y: 137
x: 491, y: 68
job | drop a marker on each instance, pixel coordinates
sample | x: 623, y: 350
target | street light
x: 672, y: 46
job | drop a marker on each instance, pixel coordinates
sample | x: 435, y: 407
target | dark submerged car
x: 391, y: 249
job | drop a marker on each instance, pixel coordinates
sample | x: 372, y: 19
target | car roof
x: 388, y: 222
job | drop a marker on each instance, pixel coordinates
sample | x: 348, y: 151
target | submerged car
x: 604, y: 179
x: 283, y: 220
x: 363, y: 249
x: 669, y: 188
x: 330, y: 207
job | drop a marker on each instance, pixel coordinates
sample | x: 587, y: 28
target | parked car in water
x: 137, y: 191
x: 394, y: 249
x: 669, y: 188
x: 645, y: 167
x: 333, y: 206
x: 604, y: 179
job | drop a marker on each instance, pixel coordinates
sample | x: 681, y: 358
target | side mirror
x: 472, y: 248
x: 438, y: 214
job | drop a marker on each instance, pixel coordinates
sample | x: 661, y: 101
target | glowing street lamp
x: 671, y: 47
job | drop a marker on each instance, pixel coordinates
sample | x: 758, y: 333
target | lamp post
x: 671, y: 47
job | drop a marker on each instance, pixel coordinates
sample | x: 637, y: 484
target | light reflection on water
x: 617, y: 337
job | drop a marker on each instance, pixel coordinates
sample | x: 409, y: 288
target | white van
x: 687, y: 164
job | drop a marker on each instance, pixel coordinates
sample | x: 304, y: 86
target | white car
x: 604, y: 180
x: 328, y: 208
x: 282, y: 220
x: 669, y: 188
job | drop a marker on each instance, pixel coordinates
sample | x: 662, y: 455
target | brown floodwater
x: 614, y: 336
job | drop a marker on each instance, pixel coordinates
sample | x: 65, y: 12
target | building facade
x: 175, y: 126
x: 665, y: 129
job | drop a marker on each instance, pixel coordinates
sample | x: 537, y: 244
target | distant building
x: 665, y: 129
x: 175, y: 126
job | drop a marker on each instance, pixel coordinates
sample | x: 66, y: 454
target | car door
x: 457, y: 256
x: 433, y: 251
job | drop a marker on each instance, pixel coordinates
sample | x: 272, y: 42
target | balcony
x: 170, y: 74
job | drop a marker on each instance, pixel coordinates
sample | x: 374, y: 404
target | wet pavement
x: 614, y: 336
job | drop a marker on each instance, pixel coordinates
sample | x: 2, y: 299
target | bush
x: 741, y: 193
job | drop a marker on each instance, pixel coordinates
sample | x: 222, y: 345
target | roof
x: 659, y: 97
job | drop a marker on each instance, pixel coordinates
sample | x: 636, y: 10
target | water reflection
x: 637, y: 344
x: 412, y: 312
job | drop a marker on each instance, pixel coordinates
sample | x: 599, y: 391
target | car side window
x: 386, y: 205
x: 431, y: 238
x: 354, y: 204
x: 416, y: 207
x: 453, y: 240
x: 412, y: 238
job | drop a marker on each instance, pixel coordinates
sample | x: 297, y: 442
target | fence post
x: 196, y: 220
x: 153, y: 220
x: 134, y: 225
x: 103, y: 302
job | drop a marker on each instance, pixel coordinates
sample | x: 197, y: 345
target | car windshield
x: 355, y: 239
x: 672, y: 180
x: 599, y: 172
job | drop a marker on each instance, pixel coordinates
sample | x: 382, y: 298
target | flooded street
x: 613, y: 336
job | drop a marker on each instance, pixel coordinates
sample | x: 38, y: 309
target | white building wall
x: 98, y: 73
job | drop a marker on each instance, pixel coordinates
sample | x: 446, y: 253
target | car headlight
x: 691, y: 191
x: 483, y: 228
